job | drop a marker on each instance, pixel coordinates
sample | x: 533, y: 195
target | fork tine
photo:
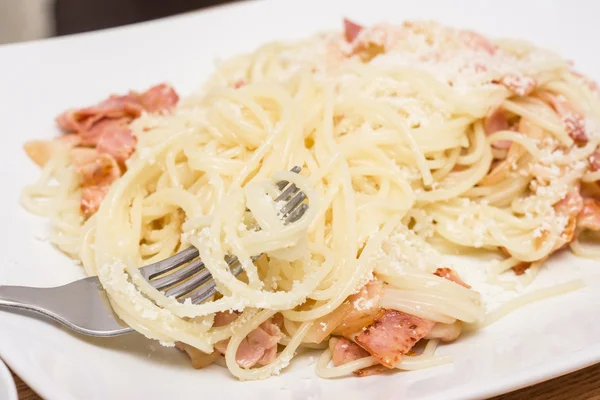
x: 281, y: 185
x: 296, y: 213
x: 178, y: 276
x: 293, y: 203
x: 208, y: 290
x: 169, y: 264
x: 287, y: 193
x: 194, y: 277
x: 197, y: 280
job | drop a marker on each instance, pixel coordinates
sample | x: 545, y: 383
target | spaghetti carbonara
x: 414, y: 140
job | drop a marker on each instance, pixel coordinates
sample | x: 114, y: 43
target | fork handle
x: 23, y: 297
x: 81, y: 306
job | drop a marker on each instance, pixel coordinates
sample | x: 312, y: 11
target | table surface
x: 580, y: 385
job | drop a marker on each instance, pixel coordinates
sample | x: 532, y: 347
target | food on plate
x: 415, y: 141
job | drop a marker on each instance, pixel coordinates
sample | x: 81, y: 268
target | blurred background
x: 22, y: 20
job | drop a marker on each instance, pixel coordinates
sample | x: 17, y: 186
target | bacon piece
x: 239, y: 83
x: 91, y: 197
x: 575, y: 126
x: 571, y: 117
x: 224, y: 318
x: 374, y: 40
x: 97, y: 171
x: 505, y: 251
x: 92, y: 122
x: 594, y: 161
x: 589, y: 217
x: 344, y: 350
x: 119, y: 142
x: 569, y: 207
x: 91, y: 136
x: 105, y: 128
x: 82, y: 120
x: 451, y: 275
x: 501, y: 169
x: 518, y: 85
x: 351, y: 30
x: 199, y: 358
x: 40, y: 151
x: 392, y: 335
x: 372, y: 370
x: 259, y: 347
x: 325, y: 325
x: 158, y: 98
x: 521, y: 267
x: 364, y: 308
x: 496, y: 121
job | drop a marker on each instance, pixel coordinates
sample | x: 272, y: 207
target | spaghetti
x: 411, y: 138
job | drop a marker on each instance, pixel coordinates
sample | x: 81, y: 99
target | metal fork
x: 83, y: 306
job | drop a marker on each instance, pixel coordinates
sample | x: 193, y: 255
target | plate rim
x: 537, y: 374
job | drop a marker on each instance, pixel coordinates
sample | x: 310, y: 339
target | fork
x: 83, y: 305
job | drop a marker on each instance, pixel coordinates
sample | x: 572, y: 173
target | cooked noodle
x: 395, y: 158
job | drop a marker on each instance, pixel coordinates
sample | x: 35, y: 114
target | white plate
x: 8, y: 390
x: 40, y: 79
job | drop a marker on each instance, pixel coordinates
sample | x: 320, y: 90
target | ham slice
x: 370, y: 42
x: 392, y: 335
x: 589, y: 216
x: 239, y: 83
x: 451, y: 275
x: 258, y: 348
x: 372, y: 370
x: 199, y: 358
x: 343, y: 351
x: 103, y: 126
x: 594, y: 161
x: 496, y: 121
x: 364, y: 307
x: 571, y: 117
x: 224, y: 318
x: 91, y: 197
x: 82, y: 120
x: 351, y: 30
x: 129, y: 106
x: 521, y: 267
x: 569, y: 207
x: 158, y: 98
x: 517, y: 85
x: 118, y: 142
x: 116, y: 112
x: 40, y: 151
x: 97, y: 171
x: 106, y: 141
